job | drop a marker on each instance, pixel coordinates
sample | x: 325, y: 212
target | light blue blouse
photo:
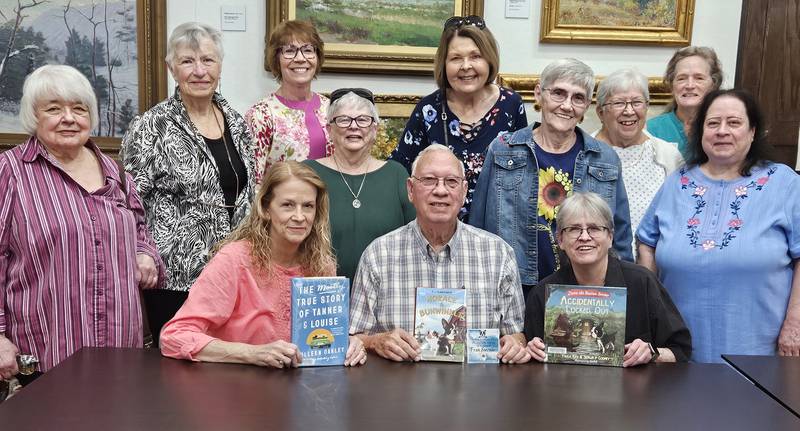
x: 724, y: 251
x: 668, y: 127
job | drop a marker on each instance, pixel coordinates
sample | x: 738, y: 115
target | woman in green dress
x: 368, y: 196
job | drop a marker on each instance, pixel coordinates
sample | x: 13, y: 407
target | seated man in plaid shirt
x: 436, y: 250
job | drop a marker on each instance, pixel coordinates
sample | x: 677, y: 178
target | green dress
x: 384, y: 208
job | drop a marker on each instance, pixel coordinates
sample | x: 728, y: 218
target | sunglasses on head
x: 360, y: 92
x: 459, y: 21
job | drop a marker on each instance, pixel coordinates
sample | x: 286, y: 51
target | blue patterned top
x: 425, y: 127
x: 724, y: 251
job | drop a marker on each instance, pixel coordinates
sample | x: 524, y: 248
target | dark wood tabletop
x: 778, y: 376
x: 134, y: 389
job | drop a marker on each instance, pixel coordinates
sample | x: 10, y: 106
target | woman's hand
x: 536, y: 349
x: 278, y: 354
x: 636, y: 353
x: 789, y: 339
x: 8, y: 358
x: 356, y: 353
x: 146, y: 271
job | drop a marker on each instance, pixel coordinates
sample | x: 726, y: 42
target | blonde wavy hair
x: 316, y: 255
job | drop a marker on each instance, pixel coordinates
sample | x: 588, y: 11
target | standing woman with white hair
x: 192, y: 161
x: 74, y: 245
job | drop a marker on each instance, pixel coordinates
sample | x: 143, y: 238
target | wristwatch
x: 653, y: 352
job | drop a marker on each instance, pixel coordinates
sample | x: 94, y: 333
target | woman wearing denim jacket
x: 528, y: 174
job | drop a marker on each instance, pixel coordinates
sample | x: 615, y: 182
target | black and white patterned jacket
x: 178, y: 180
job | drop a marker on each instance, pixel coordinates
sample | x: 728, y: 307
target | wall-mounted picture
x: 394, y: 111
x: 653, y: 22
x: 100, y: 38
x: 375, y: 36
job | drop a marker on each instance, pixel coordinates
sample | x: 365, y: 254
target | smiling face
x: 298, y: 71
x: 692, y: 81
x: 727, y: 135
x: 624, y: 128
x: 352, y: 139
x: 197, y: 71
x: 438, y: 205
x: 585, y: 250
x: 561, y: 116
x: 62, y: 125
x: 466, y: 69
x: 291, y: 211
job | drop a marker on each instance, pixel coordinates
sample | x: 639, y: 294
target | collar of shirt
x: 448, y: 252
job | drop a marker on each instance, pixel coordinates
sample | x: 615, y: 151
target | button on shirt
x: 394, y: 265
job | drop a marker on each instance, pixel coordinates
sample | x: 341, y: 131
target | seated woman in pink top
x: 239, y: 309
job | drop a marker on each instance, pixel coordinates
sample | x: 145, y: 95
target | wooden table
x: 778, y: 376
x: 139, y: 390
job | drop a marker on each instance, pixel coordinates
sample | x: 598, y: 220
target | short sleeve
x: 413, y: 140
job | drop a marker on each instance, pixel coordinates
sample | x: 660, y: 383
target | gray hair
x: 620, y: 81
x: 191, y: 34
x: 435, y: 147
x: 353, y: 100
x: 571, y: 70
x: 55, y: 82
x: 587, y: 204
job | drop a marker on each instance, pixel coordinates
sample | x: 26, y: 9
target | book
x: 585, y: 324
x: 321, y: 319
x: 483, y: 345
x: 440, y: 323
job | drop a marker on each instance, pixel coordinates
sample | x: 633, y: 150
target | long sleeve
x: 144, y: 241
x: 477, y: 214
x: 138, y: 155
x: 534, y: 313
x: 7, y: 196
x: 413, y: 140
x: 666, y: 323
x: 260, y: 123
x: 363, y: 296
x: 623, y: 236
x: 511, y: 300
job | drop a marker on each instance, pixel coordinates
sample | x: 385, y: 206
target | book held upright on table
x: 320, y: 319
x: 440, y: 323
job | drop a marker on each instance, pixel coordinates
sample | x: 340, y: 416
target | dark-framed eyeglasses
x: 459, y: 21
x: 360, y: 92
x: 620, y: 105
x: 575, y: 232
x: 431, y: 181
x: 289, y: 52
x: 344, y: 121
x: 559, y: 95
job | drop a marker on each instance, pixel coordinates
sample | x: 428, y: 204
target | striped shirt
x: 394, y: 265
x: 68, y: 257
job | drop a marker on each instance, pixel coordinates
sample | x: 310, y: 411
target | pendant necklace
x: 356, y: 202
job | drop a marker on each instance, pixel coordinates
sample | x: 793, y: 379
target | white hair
x: 620, y: 81
x: 191, y: 34
x: 571, y: 70
x: 435, y: 147
x: 353, y: 100
x: 55, y: 82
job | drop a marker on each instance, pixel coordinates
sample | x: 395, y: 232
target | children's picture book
x: 320, y: 319
x: 585, y: 324
x: 483, y: 345
x: 440, y: 323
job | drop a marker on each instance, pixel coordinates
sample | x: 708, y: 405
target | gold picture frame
x: 525, y: 84
x: 395, y: 110
x: 370, y: 58
x: 562, y: 26
x: 151, y: 29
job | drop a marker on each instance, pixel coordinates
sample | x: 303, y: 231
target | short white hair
x: 55, y: 82
x: 191, y: 34
x: 570, y: 70
x: 436, y: 147
x: 621, y: 81
x: 353, y: 100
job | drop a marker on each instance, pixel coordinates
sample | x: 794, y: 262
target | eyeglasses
x: 433, y: 182
x: 459, y: 21
x: 620, y: 105
x: 575, y: 232
x: 362, y: 121
x: 559, y: 95
x: 289, y: 52
x: 360, y: 92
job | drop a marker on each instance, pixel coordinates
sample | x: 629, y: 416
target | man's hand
x: 397, y: 345
x: 512, y: 349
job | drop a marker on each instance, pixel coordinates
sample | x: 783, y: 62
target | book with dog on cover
x: 320, y: 319
x: 440, y: 323
x: 585, y: 324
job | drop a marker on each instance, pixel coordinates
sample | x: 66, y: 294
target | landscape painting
x: 97, y: 37
x: 635, y: 13
x: 375, y: 36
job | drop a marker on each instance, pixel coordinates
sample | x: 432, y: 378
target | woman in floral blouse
x: 288, y: 124
x: 724, y: 234
x: 469, y: 110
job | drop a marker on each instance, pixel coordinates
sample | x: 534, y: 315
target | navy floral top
x: 468, y: 141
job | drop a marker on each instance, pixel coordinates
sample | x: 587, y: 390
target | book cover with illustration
x: 585, y: 324
x: 321, y: 319
x: 440, y: 323
x: 483, y: 345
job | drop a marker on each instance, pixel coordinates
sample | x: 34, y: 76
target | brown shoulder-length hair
x: 704, y: 52
x: 483, y: 39
x: 284, y: 34
x: 316, y: 256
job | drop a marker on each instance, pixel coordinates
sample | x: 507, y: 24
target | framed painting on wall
x: 374, y: 36
x: 118, y: 44
x: 627, y: 22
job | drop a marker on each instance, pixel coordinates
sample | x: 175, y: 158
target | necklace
x: 356, y: 202
x: 228, y: 153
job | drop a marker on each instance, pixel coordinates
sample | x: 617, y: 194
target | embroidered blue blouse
x: 724, y: 251
x: 425, y: 127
